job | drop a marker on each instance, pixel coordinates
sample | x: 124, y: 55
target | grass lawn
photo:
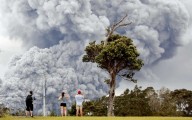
x: 96, y: 118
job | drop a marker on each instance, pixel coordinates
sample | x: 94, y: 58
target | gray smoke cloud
x: 31, y: 70
x: 157, y: 25
x: 187, y: 36
x: 0, y: 82
x: 45, y: 23
x: 61, y: 30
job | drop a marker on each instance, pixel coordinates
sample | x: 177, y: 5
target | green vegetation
x: 97, y: 118
x: 3, y: 110
x: 146, y: 102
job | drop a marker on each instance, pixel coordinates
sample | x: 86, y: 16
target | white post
x: 44, y: 96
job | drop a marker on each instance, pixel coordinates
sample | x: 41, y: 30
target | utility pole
x: 44, y: 96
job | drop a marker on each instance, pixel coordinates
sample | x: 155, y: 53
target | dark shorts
x: 63, y: 104
x: 29, y: 107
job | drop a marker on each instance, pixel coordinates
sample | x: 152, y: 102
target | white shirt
x: 79, y: 99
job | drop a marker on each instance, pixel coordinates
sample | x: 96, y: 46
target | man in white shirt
x: 79, y: 98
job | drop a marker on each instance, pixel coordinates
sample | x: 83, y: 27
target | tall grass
x: 95, y: 118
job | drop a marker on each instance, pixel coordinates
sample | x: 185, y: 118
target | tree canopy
x: 118, y: 54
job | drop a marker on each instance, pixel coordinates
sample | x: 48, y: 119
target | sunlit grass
x: 95, y: 118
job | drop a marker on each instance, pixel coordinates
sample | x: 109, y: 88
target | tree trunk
x: 110, y: 111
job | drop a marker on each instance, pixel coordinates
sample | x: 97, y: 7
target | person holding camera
x: 79, y: 98
x: 63, y: 103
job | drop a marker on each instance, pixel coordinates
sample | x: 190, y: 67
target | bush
x: 3, y: 110
x: 19, y: 112
x: 52, y: 113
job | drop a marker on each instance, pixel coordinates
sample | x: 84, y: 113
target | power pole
x: 44, y: 96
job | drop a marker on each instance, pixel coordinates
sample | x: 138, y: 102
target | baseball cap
x: 79, y: 92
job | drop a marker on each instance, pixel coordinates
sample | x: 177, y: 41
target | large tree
x: 117, y: 55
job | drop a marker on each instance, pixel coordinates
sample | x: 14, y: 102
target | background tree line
x: 147, y: 102
x: 136, y: 102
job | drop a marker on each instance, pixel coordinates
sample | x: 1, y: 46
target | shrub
x: 3, y: 110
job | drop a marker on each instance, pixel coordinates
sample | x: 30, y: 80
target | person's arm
x: 67, y: 96
x: 59, y: 98
x: 75, y: 98
x: 34, y: 98
x: 83, y: 95
x: 83, y: 98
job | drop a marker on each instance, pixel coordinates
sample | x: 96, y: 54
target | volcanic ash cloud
x: 60, y: 30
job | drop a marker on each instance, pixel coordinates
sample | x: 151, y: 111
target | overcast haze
x: 46, y: 39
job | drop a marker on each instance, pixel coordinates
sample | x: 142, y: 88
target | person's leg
x: 61, y: 110
x: 26, y: 112
x: 81, y: 110
x: 31, y: 113
x: 31, y: 110
x: 77, y: 110
x: 65, y: 111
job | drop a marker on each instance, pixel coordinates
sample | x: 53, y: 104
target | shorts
x: 29, y: 107
x: 63, y: 104
x: 79, y: 106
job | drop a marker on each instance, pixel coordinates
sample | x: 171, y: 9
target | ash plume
x: 60, y: 30
x: 157, y: 26
x: 0, y: 82
x: 45, y: 23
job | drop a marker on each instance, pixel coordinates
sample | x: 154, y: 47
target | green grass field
x: 96, y: 118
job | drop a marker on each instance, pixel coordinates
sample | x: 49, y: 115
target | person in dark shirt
x: 29, y: 104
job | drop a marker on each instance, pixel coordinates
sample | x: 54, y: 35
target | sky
x: 8, y: 49
x: 45, y: 40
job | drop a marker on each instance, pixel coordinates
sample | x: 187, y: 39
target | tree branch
x: 112, y: 28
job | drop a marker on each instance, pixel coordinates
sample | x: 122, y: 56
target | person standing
x: 63, y: 103
x: 79, y: 98
x: 29, y: 104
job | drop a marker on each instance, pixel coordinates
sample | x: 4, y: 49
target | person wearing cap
x: 79, y: 98
x: 63, y: 103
